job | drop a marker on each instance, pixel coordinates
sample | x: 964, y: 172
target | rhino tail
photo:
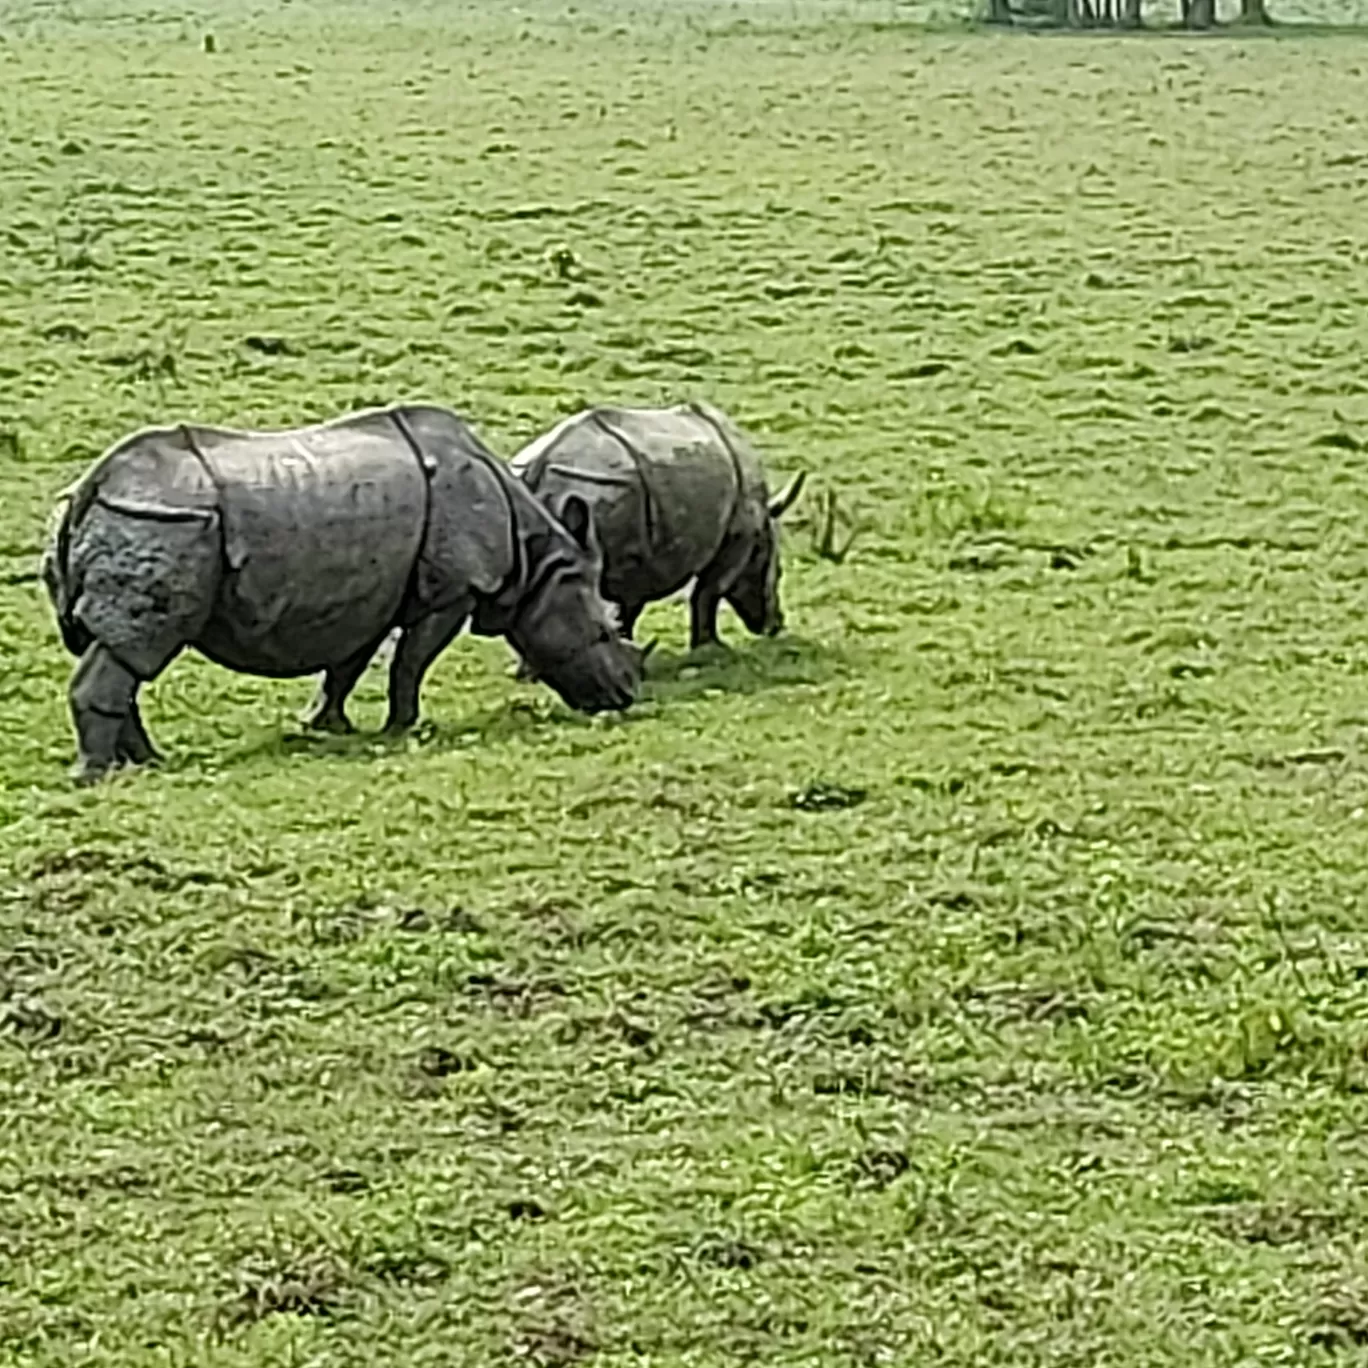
x: 55, y: 572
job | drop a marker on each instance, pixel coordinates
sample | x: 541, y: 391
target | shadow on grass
x: 534, y: 711
x: 762, y: 663
x: 517, y: 719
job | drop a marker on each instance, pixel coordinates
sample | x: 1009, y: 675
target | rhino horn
x: 783, y: 501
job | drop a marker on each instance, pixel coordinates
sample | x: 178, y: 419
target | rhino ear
x: 574, y: 516
x: 783, y: 501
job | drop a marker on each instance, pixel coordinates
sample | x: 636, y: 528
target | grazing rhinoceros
x: 677, y: 494
x: 286, y: 553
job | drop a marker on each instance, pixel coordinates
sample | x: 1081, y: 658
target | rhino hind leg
x: 103, y: 696
x: 135, y: 746
x: 328, y: 711
x: 703, y: 608
x: 421, y: 644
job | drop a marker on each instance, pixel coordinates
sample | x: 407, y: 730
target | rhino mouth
x: 603, y: 676
x: 594, y: 681
x: 757, y: 623
x: 527, y: 670
x: 599, y: 672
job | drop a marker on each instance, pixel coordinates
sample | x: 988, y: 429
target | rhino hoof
x: 88, y: 773
x: 335, y: 723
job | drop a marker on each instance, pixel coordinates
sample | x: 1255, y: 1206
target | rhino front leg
x: 419, y: 646
x: 711, y: 587
x: 328, y: 711
x: 103, y: 697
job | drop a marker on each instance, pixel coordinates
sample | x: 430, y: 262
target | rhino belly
x: 321, y: 537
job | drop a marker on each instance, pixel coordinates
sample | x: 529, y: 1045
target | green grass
x: 978, y: 973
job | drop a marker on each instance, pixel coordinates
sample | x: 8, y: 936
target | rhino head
x: 755, y: 593
x: 563, y: 628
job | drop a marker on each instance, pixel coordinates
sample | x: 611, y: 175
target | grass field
x: 978, y: 973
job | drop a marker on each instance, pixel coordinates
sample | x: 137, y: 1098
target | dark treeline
x: 1195, y: 14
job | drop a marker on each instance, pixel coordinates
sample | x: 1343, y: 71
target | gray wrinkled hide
x: 677, y: 494
x: 292, y: 552
x: 281, y: 553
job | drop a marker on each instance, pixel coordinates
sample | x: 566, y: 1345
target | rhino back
x: 321, y: 530
x: 746, y: 462
x: 155, y: 469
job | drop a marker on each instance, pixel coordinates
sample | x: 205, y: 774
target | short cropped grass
x: 977, y: 973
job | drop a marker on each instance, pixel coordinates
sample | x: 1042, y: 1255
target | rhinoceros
x: 291, y: 552
x: 677, y: 494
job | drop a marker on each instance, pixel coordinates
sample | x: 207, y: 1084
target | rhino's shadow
x: 532, y: 709
x: 518, y: 717
x: 761, y: 663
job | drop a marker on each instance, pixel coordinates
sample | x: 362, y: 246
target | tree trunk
x: 1254, y: 12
